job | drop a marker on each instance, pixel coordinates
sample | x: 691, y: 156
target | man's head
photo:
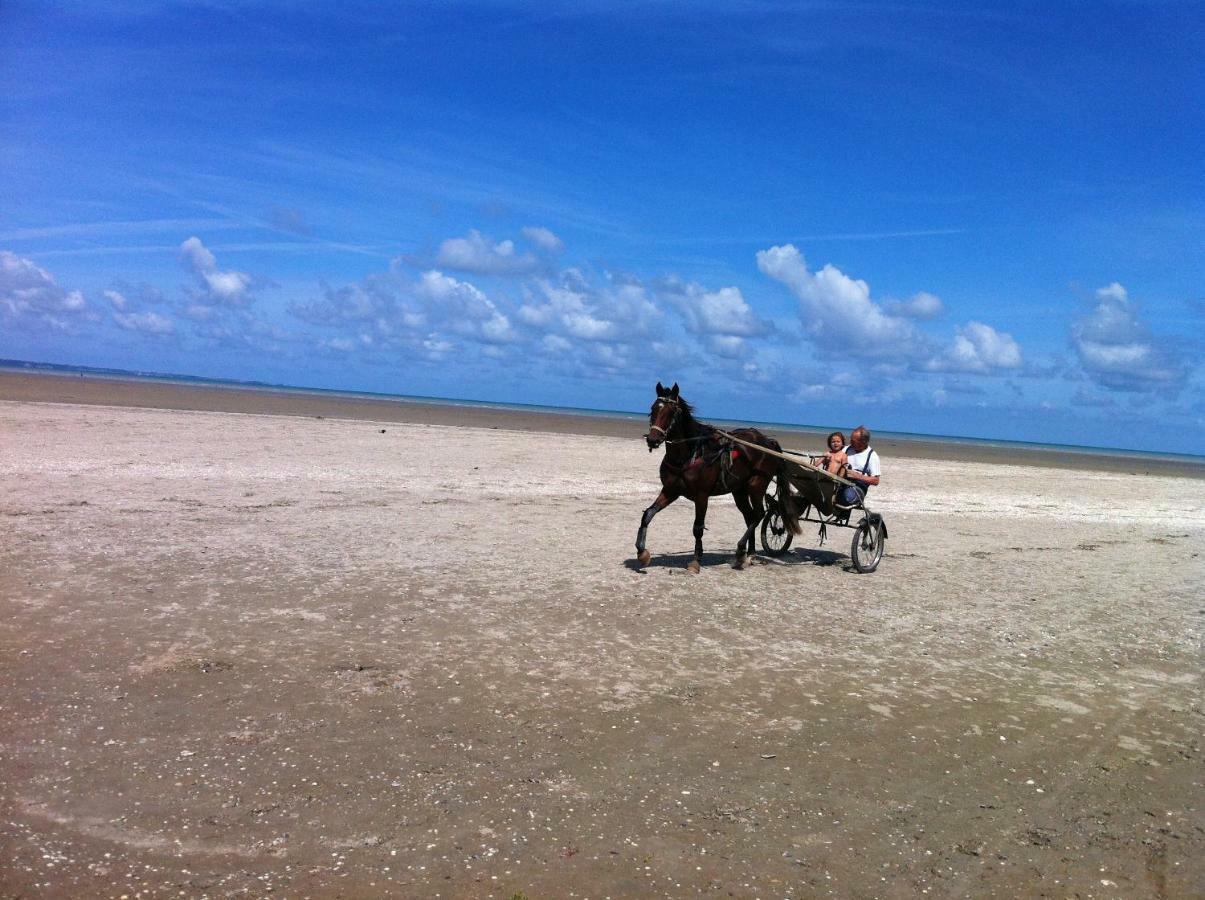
x: 860, y: 438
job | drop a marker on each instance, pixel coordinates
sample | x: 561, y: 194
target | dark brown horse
x: 700, y: 464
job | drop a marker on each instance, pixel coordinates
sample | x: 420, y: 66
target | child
x: 835, y: 461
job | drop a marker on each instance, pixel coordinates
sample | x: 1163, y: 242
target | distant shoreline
x: 44, y: 386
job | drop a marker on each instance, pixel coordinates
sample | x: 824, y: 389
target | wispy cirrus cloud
x: 120, y: 229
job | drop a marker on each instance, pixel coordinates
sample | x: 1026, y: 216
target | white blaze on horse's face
x: 662, y: 417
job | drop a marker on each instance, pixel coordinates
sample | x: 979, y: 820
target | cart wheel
x: 867, y: 548
x: 776, y: 537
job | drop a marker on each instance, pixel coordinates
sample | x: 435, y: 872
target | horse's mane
x: 689, y: 423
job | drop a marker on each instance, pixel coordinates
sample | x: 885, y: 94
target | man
x: 863, y: 468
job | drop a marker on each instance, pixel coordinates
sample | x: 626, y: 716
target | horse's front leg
x: 700, y: 517
x: 663, y: 500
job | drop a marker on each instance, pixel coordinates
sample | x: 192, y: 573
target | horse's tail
x: 783, y: 497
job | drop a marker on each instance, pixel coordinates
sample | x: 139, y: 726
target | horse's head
x: 664, y: 415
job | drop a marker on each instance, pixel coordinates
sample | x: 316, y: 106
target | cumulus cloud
x: 128, y: 314
x: 465, y: 308
x: 728, y: 346
x: 479, y: 256
x: 671, y: 354
x: 721, y: 312
x: 922, y: 306
x: 543, y: 238
x: 227, y: 287
x: 390, y: 311
x: 574, y: 309
x: 145, y: 322
x: 556, y: 345
x: 373, y: 302
x: 978, y: 348
x: 837, y: 310
x: 1117, y: 351
x: 30, y: 293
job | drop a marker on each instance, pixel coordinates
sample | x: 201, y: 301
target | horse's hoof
x: 693, y: 567
x: 740, y: 562
x: 644, y: 557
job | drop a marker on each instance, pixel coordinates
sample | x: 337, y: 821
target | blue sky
x: 982, y: 220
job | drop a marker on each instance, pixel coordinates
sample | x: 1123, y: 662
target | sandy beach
x: 312, y: 647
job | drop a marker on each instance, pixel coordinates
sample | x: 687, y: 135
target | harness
x: 722, y: 450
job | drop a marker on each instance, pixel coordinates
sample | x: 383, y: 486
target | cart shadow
x: 807, y: 556
x: 803, y: 556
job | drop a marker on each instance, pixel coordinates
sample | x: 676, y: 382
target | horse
x: 700, y: 464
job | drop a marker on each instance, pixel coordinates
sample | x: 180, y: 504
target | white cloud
x: 479, y: 256
x: 437, y: 348
x: 978, y: 348
x: 26, y: 287
x: 575, y: 310
x: 29, y: 292
x: 727, y: 346
x: 556, y: 345
x: 464, y: 308
x: 117, y: 299
x: 200, y: 312
x: 391, y: 312
x: 837, y: 310
x: 145, y: 322
x: 671, y: 354
x: 375, y: 301
x: 543, y: 238
x: 920, y: 306
x: 721, y: 312
x: 228, y: 287
x: 1117, y: 351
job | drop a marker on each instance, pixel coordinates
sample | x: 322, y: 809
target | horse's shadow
x: 796, y: 556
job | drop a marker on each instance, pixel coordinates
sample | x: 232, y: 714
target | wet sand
x: 370, y: 656
x: 54, y: 388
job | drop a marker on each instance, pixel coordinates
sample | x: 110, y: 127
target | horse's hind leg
x: 744, y: 547
x: 663, y: 500
x: 700, y: 518
x: 757, y: 507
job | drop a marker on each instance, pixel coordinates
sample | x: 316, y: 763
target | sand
x: 342, y: 657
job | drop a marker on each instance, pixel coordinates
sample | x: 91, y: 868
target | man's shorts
x: 849, y: 495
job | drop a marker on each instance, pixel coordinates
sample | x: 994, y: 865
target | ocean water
x: 624, y: 415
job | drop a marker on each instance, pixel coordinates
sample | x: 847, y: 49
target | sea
x: 11, y: 365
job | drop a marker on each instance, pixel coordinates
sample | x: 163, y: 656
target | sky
x: 984, y: 220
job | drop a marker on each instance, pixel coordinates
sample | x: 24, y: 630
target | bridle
x: 673, y: 419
